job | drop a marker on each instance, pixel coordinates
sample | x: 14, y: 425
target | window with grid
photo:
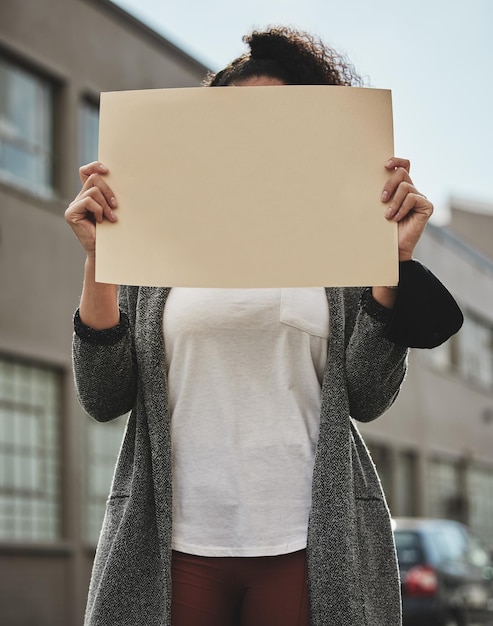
x: 475, y: 347
x: 29, y: 452
x: 443, y: 494
x: 103, y: 445
x: 470, y: 352
x: 26, y: 128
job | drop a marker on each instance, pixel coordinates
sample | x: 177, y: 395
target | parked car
x: 446, y: 574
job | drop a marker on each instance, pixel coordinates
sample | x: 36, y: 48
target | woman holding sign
x: 243, y: 493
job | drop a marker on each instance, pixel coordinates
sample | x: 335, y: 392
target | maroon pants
x: 239, y: 591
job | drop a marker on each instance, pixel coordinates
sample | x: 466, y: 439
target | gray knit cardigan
x: 352, y: 567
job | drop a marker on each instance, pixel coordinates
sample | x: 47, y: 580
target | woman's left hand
x: 408, y: 207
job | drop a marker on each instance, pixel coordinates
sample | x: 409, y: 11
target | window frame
x: 42, y: 505
x: 44, y: 153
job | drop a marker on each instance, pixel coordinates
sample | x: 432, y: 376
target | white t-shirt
x: 245, y: 368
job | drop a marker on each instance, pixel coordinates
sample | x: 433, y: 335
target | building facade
x: 56, y: 56
x: 433, y: 448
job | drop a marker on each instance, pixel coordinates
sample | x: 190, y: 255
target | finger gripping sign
x: 247, y: 187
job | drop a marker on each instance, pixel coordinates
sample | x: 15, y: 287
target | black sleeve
x: 425, y: 313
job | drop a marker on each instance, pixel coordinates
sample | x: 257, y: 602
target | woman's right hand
x: 94, y: 203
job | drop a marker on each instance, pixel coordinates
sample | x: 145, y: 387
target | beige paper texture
x: 247, y: 187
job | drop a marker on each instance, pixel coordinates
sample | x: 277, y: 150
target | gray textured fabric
x: 353, y: 575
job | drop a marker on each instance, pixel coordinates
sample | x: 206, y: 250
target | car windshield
x: 409, y: 547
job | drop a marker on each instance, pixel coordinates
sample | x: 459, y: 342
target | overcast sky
x: 435, y: 55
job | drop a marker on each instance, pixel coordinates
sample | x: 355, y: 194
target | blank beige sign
x: 247, y: 187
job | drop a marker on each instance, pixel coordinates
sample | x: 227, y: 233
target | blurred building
x: 433, y: 449
x: 56, y: 56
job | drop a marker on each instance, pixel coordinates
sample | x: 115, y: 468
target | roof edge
x: 134, y: 22
x: 452, y: 239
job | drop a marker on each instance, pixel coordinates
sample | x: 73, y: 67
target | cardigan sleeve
x: 104, y: 367
x: 375, y: 366
x: 424, y: 316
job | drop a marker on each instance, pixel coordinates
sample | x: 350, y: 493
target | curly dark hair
x: 292, y: 56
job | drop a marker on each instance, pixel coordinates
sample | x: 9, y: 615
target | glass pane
x: 475, y: 342
x: 89, y: 129
x: 451, y: 543
x: 409, y: 547
x: 22, y: 94
x: 29, y: 461
x: 26, y: 137
x: 442, y: 489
